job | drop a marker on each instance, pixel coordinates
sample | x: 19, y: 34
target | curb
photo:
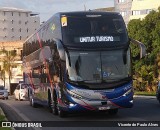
x: 142, y: 96
x: 2, y: 113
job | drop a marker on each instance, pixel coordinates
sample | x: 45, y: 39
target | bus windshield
x: 94, y: 29
x: 99, y: 66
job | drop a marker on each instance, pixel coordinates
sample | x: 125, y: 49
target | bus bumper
x: 92, y: 100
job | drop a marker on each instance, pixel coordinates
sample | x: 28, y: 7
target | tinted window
x: 95, y: 29
x: 95, y: 67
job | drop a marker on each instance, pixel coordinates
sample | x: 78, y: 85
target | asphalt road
x: 145, y: 109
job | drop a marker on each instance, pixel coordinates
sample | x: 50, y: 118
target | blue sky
x: 47, y: 8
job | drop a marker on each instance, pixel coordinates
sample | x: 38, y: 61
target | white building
x: 141, y: 8
x: 17, y: 24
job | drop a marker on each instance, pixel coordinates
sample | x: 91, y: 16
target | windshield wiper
x: 68, y: 55
x: 116, y: 79
x: 125, y: 79
x: 89, y: 81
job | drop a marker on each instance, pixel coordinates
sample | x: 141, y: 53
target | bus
x: 67, y: 63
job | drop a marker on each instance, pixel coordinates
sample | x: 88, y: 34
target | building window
x: 121, y: 1
x: 26, y: 22
x: 20, y: 30
x: 19, y: 22
x: 136, y: 12
x: 12, y: 29
x: 20, y: 37
x: 19, y: 14
x: 148, y: 11
x: 123, y: 13
x: 12, y: 37
x: 12, y: 13
x: 4, y: 20
x: 12, y: 21
x: 26, y: 14
x: 27, y: 30
x: 4, y: 29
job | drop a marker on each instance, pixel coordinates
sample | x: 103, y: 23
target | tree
x: 7, y: 60
x: 146, y: 31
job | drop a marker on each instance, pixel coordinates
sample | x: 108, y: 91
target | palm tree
x: 3, y: 75
x: 7, y: 63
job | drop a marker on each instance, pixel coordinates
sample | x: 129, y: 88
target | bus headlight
x: 71, y: 104
x: 128, y: 92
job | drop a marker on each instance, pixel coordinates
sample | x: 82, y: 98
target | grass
x: 144, y: 93
x: 2, y: 118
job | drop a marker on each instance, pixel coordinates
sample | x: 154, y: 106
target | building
x: 16, y: 69
x: 135, y: 9
x: 17, y: 24
x: 140, y: 8
x: 124, y: 8
x: 105, y: 9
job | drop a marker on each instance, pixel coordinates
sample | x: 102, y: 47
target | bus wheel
x: 62, y: 113
x: 113, y: 111
x: 54, y: 105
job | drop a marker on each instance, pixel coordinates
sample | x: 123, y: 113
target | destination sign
x: 97, y: 39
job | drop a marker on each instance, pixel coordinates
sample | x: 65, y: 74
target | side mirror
x: 141, y: 46
x: 61, y: 49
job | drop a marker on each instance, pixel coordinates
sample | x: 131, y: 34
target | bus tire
x: 32, y: 103
x: 53, y: 104
x: 113, y: 111
x: 62, y: 113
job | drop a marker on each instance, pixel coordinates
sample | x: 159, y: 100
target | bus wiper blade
x: 89, y: 81
x: 125, y: 79
x: 122, y: 79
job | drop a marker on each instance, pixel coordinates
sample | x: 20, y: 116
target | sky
x: 46, y: 8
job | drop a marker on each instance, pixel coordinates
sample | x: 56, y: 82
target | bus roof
x: 84, y: 13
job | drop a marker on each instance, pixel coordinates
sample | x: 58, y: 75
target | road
x: 145, y: 109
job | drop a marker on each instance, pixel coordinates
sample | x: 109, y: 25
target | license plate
x: 104, y: 108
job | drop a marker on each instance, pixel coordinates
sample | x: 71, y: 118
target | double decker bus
x: 80, y: 61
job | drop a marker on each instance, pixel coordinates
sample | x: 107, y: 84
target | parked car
x: 21, y: 92
x: 158, y: 91
x: 3, y: 93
